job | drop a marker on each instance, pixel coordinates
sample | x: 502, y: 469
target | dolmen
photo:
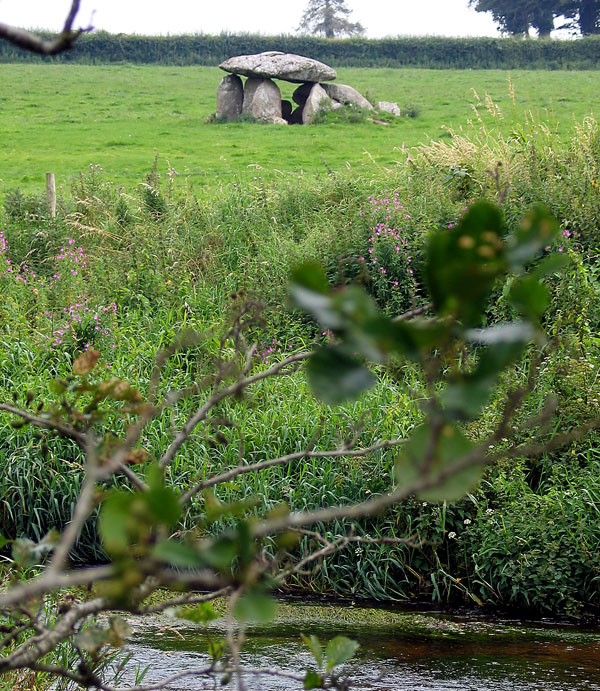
x: 260, y: 98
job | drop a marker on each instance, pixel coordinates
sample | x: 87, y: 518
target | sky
x: 268, y: 17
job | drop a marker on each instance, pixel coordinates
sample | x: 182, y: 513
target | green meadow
x: 62, y: 118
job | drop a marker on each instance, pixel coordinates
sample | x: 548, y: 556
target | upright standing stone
x: 230, y: 96
x: 266, y: 104
x: 252, y: 84
x: 317, y: 98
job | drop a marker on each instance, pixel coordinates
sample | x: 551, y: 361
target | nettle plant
x: 238, y: 550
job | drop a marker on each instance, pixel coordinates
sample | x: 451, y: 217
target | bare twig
x: 185, y: 600
x: 36, y: 647
x: 45, y: 584
x: 219, y: 395
x: 65, y: 430
x: 411, y: 314
x: 344, y: 451
x: 35, y: 44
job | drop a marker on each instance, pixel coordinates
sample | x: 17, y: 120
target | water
x: 400, y: 651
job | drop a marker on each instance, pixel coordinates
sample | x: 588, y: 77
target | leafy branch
x: 235, y: 549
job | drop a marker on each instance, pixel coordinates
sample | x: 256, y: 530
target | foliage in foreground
x: 182, y: 536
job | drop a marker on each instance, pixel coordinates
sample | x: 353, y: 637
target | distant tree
x: 329, y: 17
x: 542, y: 18
x: 584, y: 13
x: 515, y: 17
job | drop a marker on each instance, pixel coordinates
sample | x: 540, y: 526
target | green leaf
x: 364, y: 328
x: 463, y: 263
x: 201, y: 613
x: 551, y: 264
x: 256, y: 608
x: 537, y: 230
x: 311, y: 276
x: 312, y: 680
x: 3, y: 542
x: 314, y: 645
x: 162, y: 503
x: 177, y: 554
x: 216, y: 648
x: 465, y: 398
x: 215, y: 509
x: 316, y: 304
x: 496, y: 357
x: 23, y: 552
x: 426, y: 457
x: 58, y: 386
x: 117, y: 633
x: 116, y: 522
x: 510, y: 333
x: 246, y: 545
x: 529, y: 297
x: 26, y: 552
x: 418, y: 337
x: 339, y: 650
x: 309, y: 291
x: 355, y: 304
x: 335, y: 376
x: 91, y: 639
x: 467, y: 394
x: 221, y: 553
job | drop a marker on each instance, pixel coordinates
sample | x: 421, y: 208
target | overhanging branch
x: 36, y: 44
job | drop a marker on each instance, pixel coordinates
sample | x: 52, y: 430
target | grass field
x: 61, y: 118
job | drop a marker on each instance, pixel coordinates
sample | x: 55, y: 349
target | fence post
x: 51, y: 194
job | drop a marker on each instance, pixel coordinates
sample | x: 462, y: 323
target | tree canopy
x: 516, y: 17
x: 330, y: 18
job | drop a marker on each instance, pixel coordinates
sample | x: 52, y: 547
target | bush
x: 538, y: 550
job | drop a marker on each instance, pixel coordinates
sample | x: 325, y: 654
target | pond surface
x: 399, y: 650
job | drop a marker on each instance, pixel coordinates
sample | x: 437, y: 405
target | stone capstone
x: 266, y: 103
x: 230, y: 96
x: 277, y: 65
x: 316, y: 101
x: 388, y: 107
x: 346, y: 95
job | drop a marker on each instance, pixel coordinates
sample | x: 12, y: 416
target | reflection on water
x: 410, y: 652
